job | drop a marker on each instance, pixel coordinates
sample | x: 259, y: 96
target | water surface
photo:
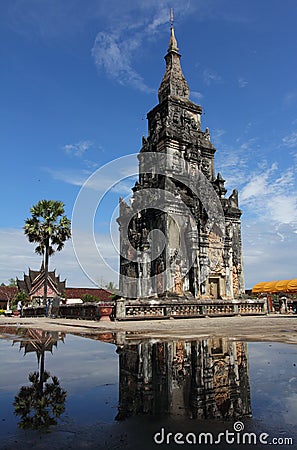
x: 123, y: 392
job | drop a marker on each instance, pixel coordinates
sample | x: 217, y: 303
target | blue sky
x: 77, y: 80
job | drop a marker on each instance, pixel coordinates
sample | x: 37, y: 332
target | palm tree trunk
x: 46, y: 262
x: 41, y: 373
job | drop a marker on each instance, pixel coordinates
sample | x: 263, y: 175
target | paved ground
x: 276, y: 327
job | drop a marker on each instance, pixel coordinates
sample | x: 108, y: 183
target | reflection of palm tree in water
x: 40, y: 404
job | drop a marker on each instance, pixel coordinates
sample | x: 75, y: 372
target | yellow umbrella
x: 282, y: 286
x: 270, y: 286
x: 258, y: 288
x: 292, y: 285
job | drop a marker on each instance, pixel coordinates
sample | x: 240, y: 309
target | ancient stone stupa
x: 180, y: 237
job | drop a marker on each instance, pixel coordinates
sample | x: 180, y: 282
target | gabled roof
x: 32, y: 282
x: 102, y: 294
x: 34, y: 274
x: 38, y: 285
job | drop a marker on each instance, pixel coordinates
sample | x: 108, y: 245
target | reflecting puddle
x: 115, y: 391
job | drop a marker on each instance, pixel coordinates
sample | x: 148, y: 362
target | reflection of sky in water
x: 88, y: 370
x: 273, y: 374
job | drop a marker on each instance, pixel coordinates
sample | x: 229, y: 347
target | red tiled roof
x: 7, y: 292
x: 102, y: 294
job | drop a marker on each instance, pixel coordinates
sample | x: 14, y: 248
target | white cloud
x: 114, y: 54
x: 283, y: 208
x: 160, y: 18
x: 230, y: 162
x: 268, y: 199
x: 77, y: 149
x: 218, y: 133
x: 290, y: 99
x: 268, y: 251
x: 75, y: 177
x: 17, y: 256
x: 99, y: 184
x: 136, y: 22
x: 271, y: 196
x: 52, y: 18
x: 258, y: 185
x: 242, y: 82
x: 290, y: 140
x: 196, y: 95
x: 210, y: 76
x: 247, y: 145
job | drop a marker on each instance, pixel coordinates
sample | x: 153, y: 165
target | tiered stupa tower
x: 178, y: 194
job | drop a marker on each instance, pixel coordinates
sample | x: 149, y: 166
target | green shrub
x: 2, y: 311
x: 90, y: 298
x: 22, y: 297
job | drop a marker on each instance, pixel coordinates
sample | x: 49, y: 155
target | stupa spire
x: 172, y: 41
x: 174, y: 82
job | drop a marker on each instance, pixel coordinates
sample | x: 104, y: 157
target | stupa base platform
x: 183, y: 307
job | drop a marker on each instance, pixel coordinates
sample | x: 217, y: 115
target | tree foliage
x: 90, y: 298
x: 49, y: 228
x: 20, y: 296
x: 40, y: 406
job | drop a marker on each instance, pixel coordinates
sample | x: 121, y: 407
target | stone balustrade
x: 178, y: 309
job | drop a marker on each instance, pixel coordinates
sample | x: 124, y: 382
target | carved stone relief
x: 215, y: 253
x: 206, y: 168
x: 178, y: 281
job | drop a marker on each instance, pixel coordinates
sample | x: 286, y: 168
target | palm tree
x: 40, y: 404
x: 50, y: 228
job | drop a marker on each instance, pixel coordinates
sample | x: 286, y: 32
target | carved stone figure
x: 207, y: 134
x: 205, y: 167
x: 215, y: 253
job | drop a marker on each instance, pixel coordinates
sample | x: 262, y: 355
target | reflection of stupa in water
x: 207, y: 379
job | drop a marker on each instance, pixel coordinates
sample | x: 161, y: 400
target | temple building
x: 32, y: 285
x: 180, y: 236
